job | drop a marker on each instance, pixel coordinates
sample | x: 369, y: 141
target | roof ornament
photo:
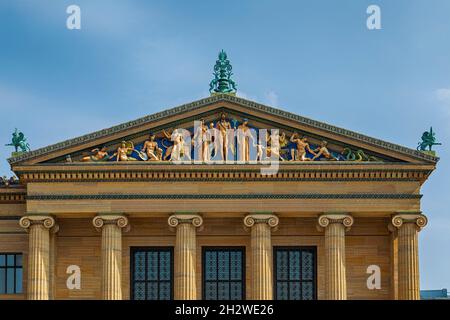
x: 19, y: 141
x: 428, y: 140
x: 222, y: 82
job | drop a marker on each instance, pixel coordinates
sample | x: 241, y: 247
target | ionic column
x: 335, y: 226
x: 261, y: 247
x: 185, y: 285
x: 111, y: 227
x: 38, y: 227
x: 408, y: 226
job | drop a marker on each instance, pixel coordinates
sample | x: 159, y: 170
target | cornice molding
x: 64, y: 197
x: 223, y: 98
x: 216, y: 174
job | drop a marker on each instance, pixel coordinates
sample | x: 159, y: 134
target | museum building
x: 162, y: 208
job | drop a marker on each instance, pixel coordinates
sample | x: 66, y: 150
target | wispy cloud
x: 272, y: 98
x: 443, y: 95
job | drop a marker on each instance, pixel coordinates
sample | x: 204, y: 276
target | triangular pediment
x: 344, y: 145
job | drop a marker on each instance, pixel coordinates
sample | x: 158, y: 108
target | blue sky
x: 314, y: 58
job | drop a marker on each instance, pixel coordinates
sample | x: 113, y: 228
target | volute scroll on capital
x: 175, y: 219
x: 47, y: 221
x: 325, y: 219
x: 417, y: 218
x: 120, y: 220
x: 270, y: 219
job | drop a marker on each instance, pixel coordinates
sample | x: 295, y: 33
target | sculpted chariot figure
x: 97, y: 155
x: 224, y: 142
x: 302, y: 147
x: 151, y: 149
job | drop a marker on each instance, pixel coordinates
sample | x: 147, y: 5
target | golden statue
x: 273, y: 146
x: 151, y: 149
x: 124, y: 151
x: 179, y: 148
x: 322, y: 150
x: 283, y: 140
x: 243, y: 139
x: 97, y: 155
x: 201, y: 141
x: 302, y: 146
x: 214, y: 141
x: 223, y: 125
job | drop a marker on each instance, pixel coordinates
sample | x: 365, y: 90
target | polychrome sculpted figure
x: 124, y: 151
x: 302, y: 146
x: 214, y: 140
x: 283, y: 140
x: 168, y: 136
x: 273, y: 146
x: 283, y: 144
x: 179, y: 148
x: 243, y: 139
x: 97, y: 155
x: 359, y: 155
x: 223, y: 125
x: 322, y: 150
x: 201, y: 141
x: 151, y: 149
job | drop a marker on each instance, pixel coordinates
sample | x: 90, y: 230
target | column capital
x: 270, y: 219
x: 400, y: 218
x: 120, y: 220
x: 325, y: 219
x: 190, y: 218
x: 45, y: 220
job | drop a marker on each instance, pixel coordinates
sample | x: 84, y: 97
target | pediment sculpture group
x: 224, y: 141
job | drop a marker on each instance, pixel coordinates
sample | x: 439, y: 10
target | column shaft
x: 111, y: 262
x: 262, y: 262
x: 335, y: 225
x: 185, y: 283
x: 336, y: 282
x: 185, y: 262
x: 262, y: 259
x: 38, y: 227
x: 408, y: 262
x: 111, y: 251
x: 408, y: 225
x: 38, y: 263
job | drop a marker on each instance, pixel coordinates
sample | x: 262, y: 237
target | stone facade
x: 92, y: 215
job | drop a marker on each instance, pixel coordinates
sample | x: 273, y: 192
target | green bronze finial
x: 428, y: 140
x: 19, y: 141
x: 222, y: 82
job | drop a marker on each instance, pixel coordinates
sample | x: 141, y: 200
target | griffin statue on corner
x: 428, y: 140
x: 19, y: 141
